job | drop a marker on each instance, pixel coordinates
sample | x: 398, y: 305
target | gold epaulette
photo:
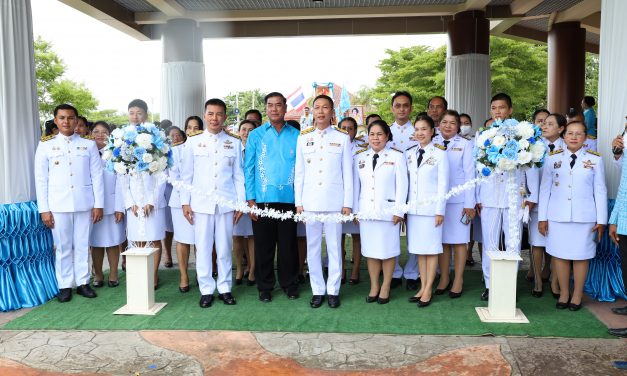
x: 395, y: 149
x: 47, y: 138
x: 361, y: 151
x: 364, y: 145
x: 593, y: 153
x: 359, y: 138
x: 195, y: 133
x: 441, y: 147
x: 308, y: 130
x: 340, y: 130
x: 556, y: 152
x: 232, y: 134
x: 178, y: 143
x: 87, y: 137
x: 592, y: 137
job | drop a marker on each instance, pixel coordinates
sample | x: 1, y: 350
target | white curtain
x: 182, y: 91
x: 468, y: 86
x: 612, y: 85
x: 19, y: 120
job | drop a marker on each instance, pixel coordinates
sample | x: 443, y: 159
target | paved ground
x: 52, y: 353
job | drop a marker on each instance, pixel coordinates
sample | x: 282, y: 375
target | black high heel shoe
x: 537, y: 294
x: 371, y: 299
x: 441, y: 291
x: 422, y: 304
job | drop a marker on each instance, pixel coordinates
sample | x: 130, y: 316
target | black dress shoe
x: 353, y: 281
x: 454, y: 295
x: 529, y: 278
x: 65, y: 295
x: 441, y: 291
x: 227, y: 298
x: 470, y: 262
x: 334, y: 301
x: 265, y: 296
x: 292, y: 293
x: 113, y: 283
x: 556, y: 295
x: 206, y: 301
x: 537, y: 294
x: 485, y: 295
x: 618, y: 332
x: 395, y: 283
x: 238, y: 281
x: 383, y: 300
x: 560, y: 305
x: 413, y: 299
x: 620, y: 311
x: 574, y: 307
x: 250, y: 283
x: 371, y: 299
x: 422, y: 304
x: 86, y: 291
x: 316, y: 301
x: 98, y: 284
x: 411, y: 284
x: 184, y: 289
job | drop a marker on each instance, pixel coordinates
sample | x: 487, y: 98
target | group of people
x: 323, y: 171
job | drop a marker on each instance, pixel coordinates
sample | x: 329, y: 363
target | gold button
x: 320, y: 172
x: 69, y: 151
x: 372, y: 188
x: 321, y: 158
x: 320, y: 183
x: 216, y: 152
x: 70, y: 163
x: 371, y: 199
x: 321, y: 147
x: 215, y: 164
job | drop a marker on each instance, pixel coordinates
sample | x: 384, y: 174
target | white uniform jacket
x: 402, y: 136
x: 461, y: 168
x: 573, y: 195
x: 212, y: 164
x: 175, y: 174
x: 378, y: 192
x: 68, y: 175
x: 357, y: 144
x: 323, y: 177
x: 430, y: 179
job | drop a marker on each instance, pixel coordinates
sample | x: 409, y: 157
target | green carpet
x: 444, y: 316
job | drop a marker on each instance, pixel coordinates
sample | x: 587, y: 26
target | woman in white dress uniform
x: 460, y: 209
x: 427, y: 165
x: 110, y: 232
x: 380, y: 184
x: 145, y: 193
x: 552, y: 127
x: 573, y: 211
x: 243, y: 239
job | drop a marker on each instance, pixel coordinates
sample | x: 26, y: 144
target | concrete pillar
x: 567, y: 66
x: 182, y: 72
x: 468, y: 85
x: 19, y: 120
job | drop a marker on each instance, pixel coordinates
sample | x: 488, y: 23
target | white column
x: 468, y: 85
x: 612, y: 83
x: 182, y: 72
x: 19, y: 121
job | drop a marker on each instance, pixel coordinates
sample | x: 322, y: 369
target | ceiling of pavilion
x: 526, y: 19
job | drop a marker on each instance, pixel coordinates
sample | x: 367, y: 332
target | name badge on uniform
x: 557, y: 164
x: 228, y: 142
x: 362, y: 163
x: 81, y: 148
x: 310, y: 143
x: 228, y: 147
x: 56, y: 148
x: 457, y: 149
x: 588, y: 164
x: 389, y: 163
x: 335, y: 144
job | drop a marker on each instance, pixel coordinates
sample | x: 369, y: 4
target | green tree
x: 592, y: 75
x: 52, y: 89
x: 244, y: 102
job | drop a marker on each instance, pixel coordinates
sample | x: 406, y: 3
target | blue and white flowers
x: 508, y: 145
x: 137, y: 148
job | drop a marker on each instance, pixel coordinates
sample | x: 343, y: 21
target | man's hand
x: 478, y: 209
x: 188, y: 214
x: 96, y: 215
x: 134, y: 209
x: 530, y: 204
x: 543, y: 227
x: 299, y: 210
x: 148, y: 209
x: 346, y: 211
x: 252, y: 204
x: 599, y: 229
x: 470, y: 213
x: 119, y: 216
x: 618, y: 143
x: 613, y: 234
x: 439, y: 219
x: 48, y: 219
x: 236, y: 217
x: 396, y: 219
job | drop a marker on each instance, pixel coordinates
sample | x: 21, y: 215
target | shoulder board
x: 466, y: 137
x: 400, y: 151
x: 441, y: 147
x: 340, y: 130
x: 411, y: 147
x: 307, y: 130
x: 178, y: 143
x: 195, y: 133
x: 364, y: 145
x: 593, y: 153
x: 359, y: 138
x: 592, y: 137
x: 361, y: 151
x: 232, y: 134
x: 47, y: 138
x: 87, y: 137
x: 558, y: 151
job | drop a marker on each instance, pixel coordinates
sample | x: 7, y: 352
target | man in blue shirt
x: 269, y: 165
x: 587, y: 105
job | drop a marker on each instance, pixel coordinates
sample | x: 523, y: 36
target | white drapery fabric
x: 182, y: 91
x: 612, y: 85
x: 19, y: 120
x: 468, y: 86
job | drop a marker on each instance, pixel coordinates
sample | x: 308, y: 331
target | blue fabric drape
x: 605, y: 278
x: 27, y: 276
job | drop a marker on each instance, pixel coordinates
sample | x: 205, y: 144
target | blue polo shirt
x: 591, y: 121
x: 269, y: 164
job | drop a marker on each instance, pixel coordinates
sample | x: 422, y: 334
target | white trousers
x: 71, y: 239
x: 493, y: 222
x: 333, y: 233
x: 210, y: 228
x: 411, y: 268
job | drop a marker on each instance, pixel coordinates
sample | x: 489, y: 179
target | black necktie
x: 572, y: 163
x: 374, y: 160
x: 421, y: 152
x: 551, y: 147
x: 446, y: 142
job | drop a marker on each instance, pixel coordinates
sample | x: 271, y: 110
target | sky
x: 118, y: 68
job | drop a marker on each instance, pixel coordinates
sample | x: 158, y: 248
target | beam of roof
x: 523, y: 6
x: 592, y: 23
x: 112, y: 14
x: 169, y: 7
x: 579, y: 11
x: 501, y: 26
x: 476, y: 4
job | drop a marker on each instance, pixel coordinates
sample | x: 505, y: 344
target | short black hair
x: 384, y: 126
x: 165, y: 124
x: 138, y: 103
x: 371, y: 116
x: 216, y: 102
x: 197, y: 118
x: 253, y: 111
x: 585, y: 128
x: 440, y: 97
x: 589, y: 101
x: 402, y: 94
x: 456, y: 115
x: 101, y: 123
x: 559, y: 119
x: 293, y: 123
x: 425, y: 118
x: 253, y: 123
x: 322, y: 96
x: 348, y: 118
x: 539, y: 111
x: 466, y: 115
x: 65, y: 106
x: 502, y: 97
x: 49, y: 126
x: 272, y: 95
x: 174, y: 127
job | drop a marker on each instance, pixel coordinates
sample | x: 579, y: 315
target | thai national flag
x: 296, y: 100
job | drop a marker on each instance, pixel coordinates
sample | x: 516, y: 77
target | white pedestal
x: 502, y: 303
x: 140, y: 279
